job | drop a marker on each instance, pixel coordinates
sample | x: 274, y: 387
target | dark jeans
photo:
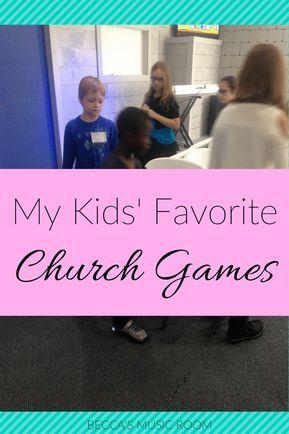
x: 237, y: 323
x: 120, y: 321
x: 158, y: 150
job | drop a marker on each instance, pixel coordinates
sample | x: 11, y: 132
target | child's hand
x: 145, y: 108
x: 149, y: 111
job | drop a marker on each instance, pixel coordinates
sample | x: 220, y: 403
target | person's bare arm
x: 283, y: 123
x: 281, y: 152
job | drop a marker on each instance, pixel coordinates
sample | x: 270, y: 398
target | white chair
x: 190, y: 159
x: 199, y: 156
x: 171, y: 163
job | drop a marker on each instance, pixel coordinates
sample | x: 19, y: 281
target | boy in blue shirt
x: 90, y: 138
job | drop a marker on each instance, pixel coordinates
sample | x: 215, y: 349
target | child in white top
x: 252, y: 133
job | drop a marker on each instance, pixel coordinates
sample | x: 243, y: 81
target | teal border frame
x: 225, y: 12
x: 144, y: 12
x: 144, y: 422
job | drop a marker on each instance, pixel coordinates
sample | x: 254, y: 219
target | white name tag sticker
x: 98, y: 137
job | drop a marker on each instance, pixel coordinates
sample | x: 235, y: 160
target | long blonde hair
x: 167, y: 92
x: 262, y: 78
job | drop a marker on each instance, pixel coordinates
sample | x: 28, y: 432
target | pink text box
x: 144, y: 242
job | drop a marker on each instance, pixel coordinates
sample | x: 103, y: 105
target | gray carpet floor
x: 73, y: 363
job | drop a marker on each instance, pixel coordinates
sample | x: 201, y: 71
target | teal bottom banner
x: 145, y: 422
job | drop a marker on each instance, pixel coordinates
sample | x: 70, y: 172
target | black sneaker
x: 137, y: 334
x: 252, y: 330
